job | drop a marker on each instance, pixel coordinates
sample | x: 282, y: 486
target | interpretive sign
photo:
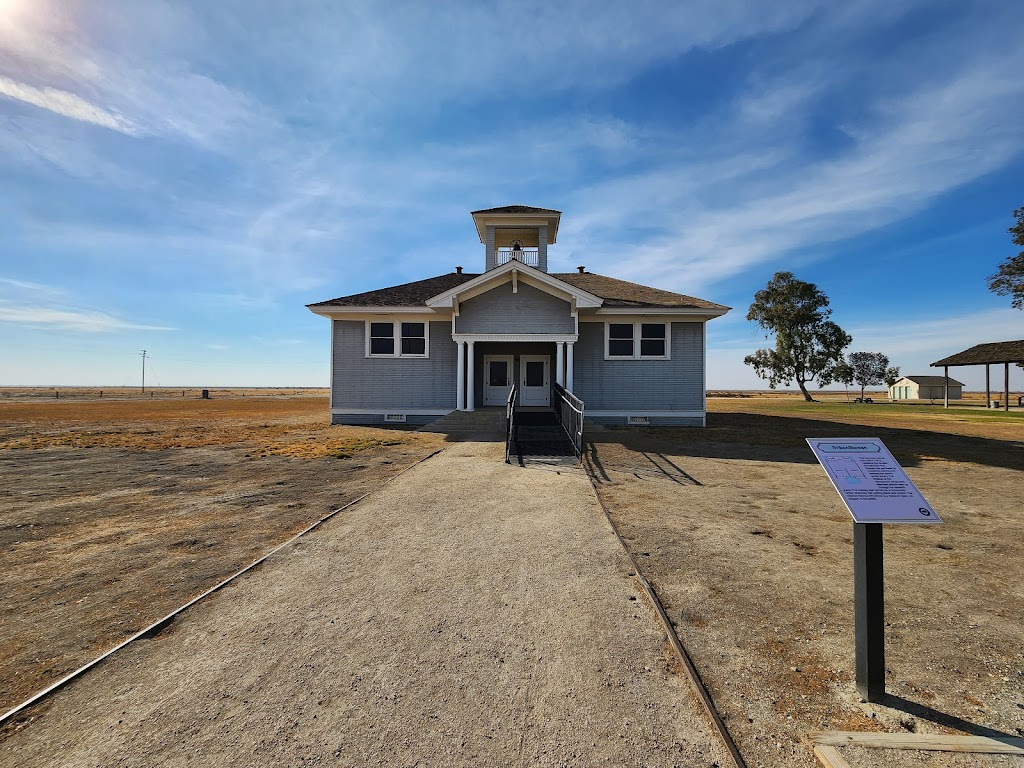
x: 870, y: 481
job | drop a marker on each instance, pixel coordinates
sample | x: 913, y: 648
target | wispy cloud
x: 902, y: 156
x: 27, y: 286
x: 84, y: 321
x: 65, y: 103
x: 940, y: 336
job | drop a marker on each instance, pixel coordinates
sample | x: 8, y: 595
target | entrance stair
x: 481, y: 421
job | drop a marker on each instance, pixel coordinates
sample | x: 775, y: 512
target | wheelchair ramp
x: 541, y: 441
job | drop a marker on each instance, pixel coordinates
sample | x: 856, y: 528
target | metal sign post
x: 869, y: 610
x: 876, y: 490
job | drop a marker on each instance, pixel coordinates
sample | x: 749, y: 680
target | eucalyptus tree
x: 1009, y: 280
x: 808, y: 345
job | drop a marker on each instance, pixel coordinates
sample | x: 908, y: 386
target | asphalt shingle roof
x: 413, y: 294
x: 616, y: 293
x: 621, y: 293
x: 996, y: 352
x: 517, y: 209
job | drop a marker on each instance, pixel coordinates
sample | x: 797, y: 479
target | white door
x: 497, y: 379
x: 535, y: 380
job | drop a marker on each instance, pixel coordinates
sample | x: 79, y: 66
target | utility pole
x: 143, y: 353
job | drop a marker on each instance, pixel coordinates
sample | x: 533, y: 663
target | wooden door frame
x: 510, y: 359
x: 523, y: 360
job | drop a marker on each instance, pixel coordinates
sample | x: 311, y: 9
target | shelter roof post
x: 1006, y: 386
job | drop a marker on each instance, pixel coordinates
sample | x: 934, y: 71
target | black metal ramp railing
x: 569, y: 411
x: 510, y: 424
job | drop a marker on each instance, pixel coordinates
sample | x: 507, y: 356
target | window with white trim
x: 396, y: 339
x: 636, y: 341
x: 414, y: 339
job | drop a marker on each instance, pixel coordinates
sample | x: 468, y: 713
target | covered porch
x: 488, y: 365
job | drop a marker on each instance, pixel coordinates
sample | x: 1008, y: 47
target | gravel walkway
x: 470, y: 613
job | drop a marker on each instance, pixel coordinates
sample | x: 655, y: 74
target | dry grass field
x: 115, y: 512
x: 152, y: 393
x: 750, y: 549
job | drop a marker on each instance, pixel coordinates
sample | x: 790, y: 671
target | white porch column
x: 470, y: 383
x: 460, y: 378
x: 560, y: 364
x: 568, y: 366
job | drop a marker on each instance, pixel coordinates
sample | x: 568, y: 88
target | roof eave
x: 365, y: 309
x: 480, y: 220
x: 641, y: 310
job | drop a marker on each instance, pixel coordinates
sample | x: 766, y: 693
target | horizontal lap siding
x: 501, y: 311
x: 392, y: 383
x: 639, y: 385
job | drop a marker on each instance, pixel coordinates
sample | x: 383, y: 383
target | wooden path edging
x: 825, y: 744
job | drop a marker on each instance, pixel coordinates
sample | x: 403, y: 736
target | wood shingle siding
x: 642, y: 385
x: 392, y: 384
x: 528, y: 311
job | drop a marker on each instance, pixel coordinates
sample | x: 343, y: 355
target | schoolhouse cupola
x: 519, y: 232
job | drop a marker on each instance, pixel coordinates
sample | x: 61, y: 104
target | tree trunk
x: 807, y: 395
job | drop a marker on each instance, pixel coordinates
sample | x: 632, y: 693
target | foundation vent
x: 394, y: 417
x: 638, y: 419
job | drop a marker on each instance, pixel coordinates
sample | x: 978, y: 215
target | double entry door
x: 534, y: 379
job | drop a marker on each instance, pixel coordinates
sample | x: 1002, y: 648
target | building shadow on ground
x: 758, y: 437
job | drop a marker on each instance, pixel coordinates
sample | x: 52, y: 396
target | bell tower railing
x: 528, y: 256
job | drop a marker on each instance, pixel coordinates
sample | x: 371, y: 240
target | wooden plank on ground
x: 994, y: 745
x: 830, y: 757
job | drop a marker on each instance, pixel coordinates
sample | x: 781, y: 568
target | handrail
x: 510, y: 423
x: 528, y: 256
x: 569, y: 410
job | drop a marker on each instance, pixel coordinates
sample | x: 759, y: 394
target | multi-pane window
x: 414, y: 339
x: 637, y: 341
x: 652, y: 340
x: 397, y: 339
x: 382, y: 339
x: 620, y: 340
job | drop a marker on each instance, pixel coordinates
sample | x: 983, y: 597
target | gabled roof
x: 621, y: 293
x: 996, y: 352
x: 510, y: 270
x: 517, y: 209
x: 615, y: 293
x: 931, y: 381
x: 414, y: 294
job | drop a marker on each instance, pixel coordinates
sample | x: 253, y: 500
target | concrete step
x: 484, y: 420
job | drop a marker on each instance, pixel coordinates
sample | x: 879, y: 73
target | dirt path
x: 470, y: 613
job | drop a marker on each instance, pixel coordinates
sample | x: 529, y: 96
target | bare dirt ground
x: 471, y: 613
x: 750, y: 549
x: 114, y: 513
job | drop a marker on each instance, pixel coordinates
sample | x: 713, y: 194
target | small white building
x: 925, y: 388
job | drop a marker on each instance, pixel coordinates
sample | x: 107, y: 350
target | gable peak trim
x: 541, y: 280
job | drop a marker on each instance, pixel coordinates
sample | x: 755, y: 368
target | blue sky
x: 185, y: 177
